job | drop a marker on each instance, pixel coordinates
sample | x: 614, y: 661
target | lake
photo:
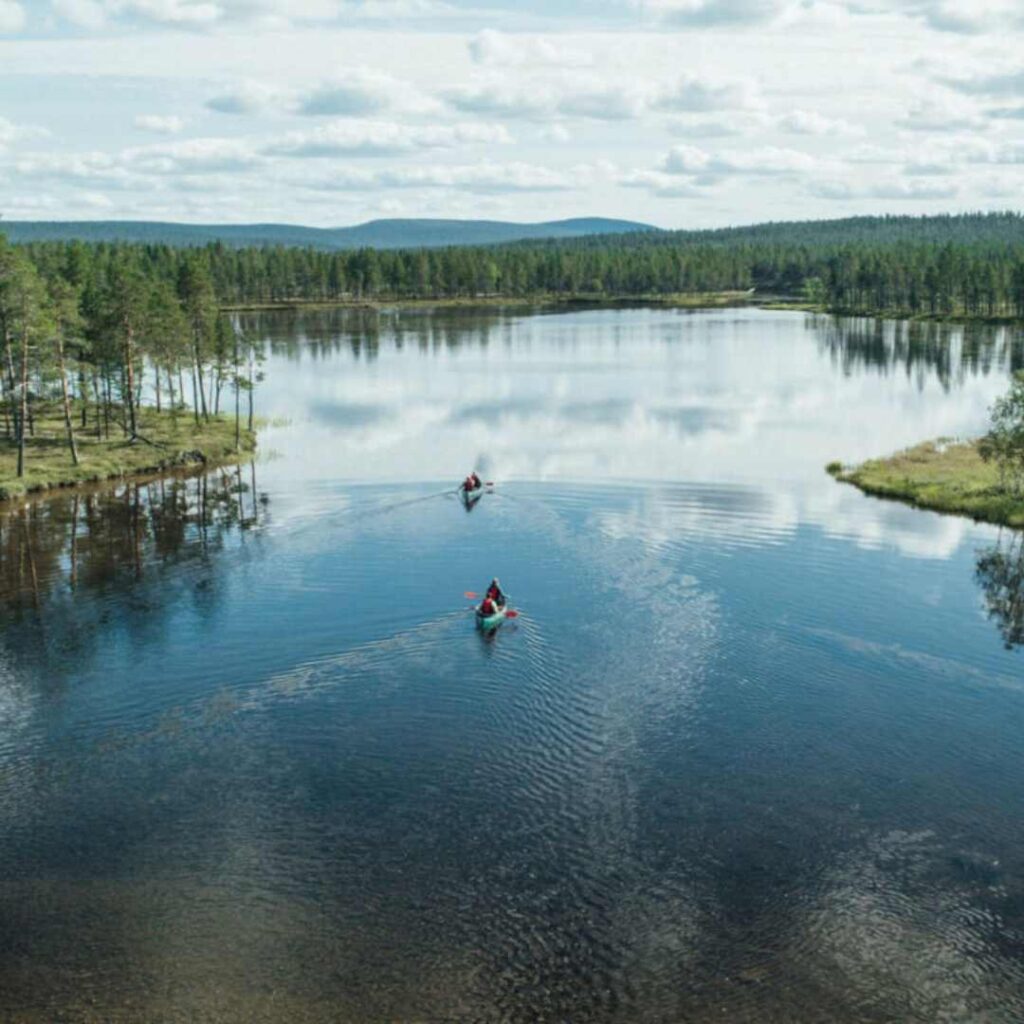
x: 751, y: 752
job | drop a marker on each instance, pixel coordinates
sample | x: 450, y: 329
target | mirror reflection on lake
x: 751, y: 752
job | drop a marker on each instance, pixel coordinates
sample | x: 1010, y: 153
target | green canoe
x: 492, y: 621
x: 470, y: 496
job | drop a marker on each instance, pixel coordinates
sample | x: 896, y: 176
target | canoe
x: 491, y: 621
x: 470, y: 496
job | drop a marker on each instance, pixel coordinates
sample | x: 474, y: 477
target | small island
x: 981, y: 478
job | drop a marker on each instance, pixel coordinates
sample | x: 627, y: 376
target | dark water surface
x: 752, y: 752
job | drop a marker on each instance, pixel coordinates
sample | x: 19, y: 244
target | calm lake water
x: 752, y: 752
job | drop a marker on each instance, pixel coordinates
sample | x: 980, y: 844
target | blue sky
x: 676, y: 112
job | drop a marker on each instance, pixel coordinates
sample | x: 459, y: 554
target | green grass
x: 177, y: 441
x: 684, y: 300
x: 941, y: 475
x: 792, y: 305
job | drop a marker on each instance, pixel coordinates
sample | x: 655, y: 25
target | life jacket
x: 487, y: 606
x: 494, y: 593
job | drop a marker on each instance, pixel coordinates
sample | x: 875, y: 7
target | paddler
x: 495, y: 593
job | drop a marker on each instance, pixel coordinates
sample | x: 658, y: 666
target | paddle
x: 471, y: 594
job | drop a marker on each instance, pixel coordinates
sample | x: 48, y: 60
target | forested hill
x: 375, y: 234
x: 970, y: 265
x: 958, y: 229
x: 943, y: 229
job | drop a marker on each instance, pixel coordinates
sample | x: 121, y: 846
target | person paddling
x: 495, y: 593
x: 473, y: 482
x: 488, y: 607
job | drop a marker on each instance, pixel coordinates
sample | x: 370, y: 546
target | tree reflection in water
x: 1000, y: 572
x: 117, y: 546
x: 951, y: 353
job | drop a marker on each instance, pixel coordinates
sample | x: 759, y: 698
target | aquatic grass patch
x: 943, y: 475
x: 167, y: 441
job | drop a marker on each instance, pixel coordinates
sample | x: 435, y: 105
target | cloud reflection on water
x: 741, y: 397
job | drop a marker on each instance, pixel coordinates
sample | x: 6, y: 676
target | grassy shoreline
x: 687, y: 300
x: 678, y: 300
x: 944, y: 476
x: 174, y: 441
x: 996, y: 320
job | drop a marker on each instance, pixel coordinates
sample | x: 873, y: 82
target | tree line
x: 101, y: 333
x: 970, y: 265
x: 102, y: 327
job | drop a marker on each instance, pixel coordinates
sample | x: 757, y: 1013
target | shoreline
x: 960, y: 319
x: 695, y: 300
x: 943, y: 476
x: 175, y: 444
x: 675, y: 300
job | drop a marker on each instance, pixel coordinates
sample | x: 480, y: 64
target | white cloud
x: 1000, y: 186
x: 267, y: 15
x: 605, y: 102
x: 687, y: 171
x: 358, y: 91
x: 762, y: 161
x: 555, y: 133
x: 693, y: 93
x: 171, y: 12
x: 942, y: 114
x: 714, y: 12
x: 724, y: 124
x: 380, y: 138
x: 601, y: 98
x: 82, y: 13
x: 354, y: 95
x: 970, y: 150
x: 11, y: 132
x: 191, y: 156
x: 895, y: 189
x: 161, y: 124
x: 491, y: 47
x: 941, y: 155
x: 1005, y: 82
x: 245, y: 98
x: 665, y: 186
x: 502, y: 99
x: 12, y: 16
x: 95, y: 168
x: 971, y: 16
x: 809, y: 122
x: 964, y: 17
x: 504, y: 48
x: 96, y: 200
x: 1007, y: 113
x: 484, y: 177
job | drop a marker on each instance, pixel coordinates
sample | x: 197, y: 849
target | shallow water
x: 751, y: 752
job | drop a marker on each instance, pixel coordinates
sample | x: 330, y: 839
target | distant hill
x: 938, y: 229
x: 378, y: 234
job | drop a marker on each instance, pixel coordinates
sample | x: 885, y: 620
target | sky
x: 678, y: 113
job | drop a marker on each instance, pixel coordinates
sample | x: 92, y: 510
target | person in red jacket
x: 488, y: 607
x: 495, y: 593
